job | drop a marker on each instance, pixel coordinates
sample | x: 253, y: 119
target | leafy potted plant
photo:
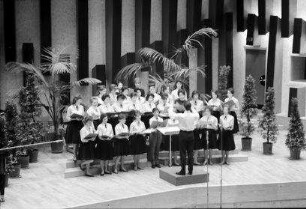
x: 295, y: 140
x: 267, y: 123
x: 248, y: 111
x: 223, y: 73
x: 11, y: 120
x: 52, y: 89
x: 3, y: 143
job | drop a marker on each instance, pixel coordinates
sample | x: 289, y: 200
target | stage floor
x: 44, y: 185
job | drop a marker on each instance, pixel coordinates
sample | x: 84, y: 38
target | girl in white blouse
x: 137, y: 139
x: 113, y: 94
x: 216, y: 104
x: 164, y: 104
x: 178, y: 86
x: 134, y: 105
x: 102, y: 91
x: 140, y: 99
x: 196, y: 103
x: 94, y: 111
x: 226, y: 142
x: 107, y: 107
x: 119, y: 106
x: 149, y: 105
x: 233, y: 109
x: 74, y: 124
x: 104, y: 149
x: 125, y: 92
x: 86, y: 151
x: 121, y: 143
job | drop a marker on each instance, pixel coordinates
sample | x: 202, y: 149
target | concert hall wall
x: 118, y: 34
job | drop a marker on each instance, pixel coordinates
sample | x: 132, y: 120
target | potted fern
x: 248, y: 111
x: 267, y: 123
x: 52, y: 89
x: 295, y: 140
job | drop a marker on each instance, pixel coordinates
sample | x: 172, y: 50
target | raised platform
x: 169, y: 174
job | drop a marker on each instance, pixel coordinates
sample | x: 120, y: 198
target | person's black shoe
x: 226, y: 163
x: 89, y: 175
x: 158, y: 166
x: 190, y: 173
x: 153, y: 166
x: 181, y: 173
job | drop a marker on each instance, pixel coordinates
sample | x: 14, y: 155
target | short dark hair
x: 120, y: 96
x: 181, y: 91
x: 76, y: 98
x: 155, y: 109
x: 187, y: 105
x: 121, y: 116
x: 194, y: 93
x: 164, y: 96
x: 103, y: 115
x: 149, y: 95
x: 231, y: 90
x: 105, y: 96
x: 134, y: 94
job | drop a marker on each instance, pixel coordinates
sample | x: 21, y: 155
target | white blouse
x: 113, y: 98
x: 121, y: 128
x: 135, y: 106
x: 94, y: 112
x: 148, y: 107
x: 211, y: 122
x: 197, y: 105
x: 174, y: 95
x: 172, y: 122
x: 105, y: 130
x: 73, y: 109
x: 127, y: 101
x: 120, y: 108
x: 215, y: 104
x: 106, y: 108
x: 227, y: 121
x: 85, y: 131
x: 137, y: 127
x: 141, y: 100
x: 153, y: 119
x: 157, y: 97
x: 162, y: 107
x: 236, y: 102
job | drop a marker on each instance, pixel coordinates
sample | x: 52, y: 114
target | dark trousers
x: 2, y: 183
x: 186, y: 144
x: 155, y: 142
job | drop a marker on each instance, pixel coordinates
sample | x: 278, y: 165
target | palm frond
x: 83, y: 81
x: 129, y: 71
x: 194, y: 39
x: 29, y: 68
x: 185, y: 72
x: 155, y: 56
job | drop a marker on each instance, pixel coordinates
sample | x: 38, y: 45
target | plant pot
x: 57, y: 147
x: 246, y: 143
x: 6, y: 180
x: 33, y: 154
x: 16, y: 171
x: 295, y: 153
x: 24, y: 161
x: 267, y: 148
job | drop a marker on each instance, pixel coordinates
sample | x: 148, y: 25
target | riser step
x: 163, y: 155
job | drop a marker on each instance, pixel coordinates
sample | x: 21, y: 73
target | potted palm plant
x: 295, y: 140
x: 52, y: 89
x: 173, y: 70
x: 248, y: 111
x: 267, y: 123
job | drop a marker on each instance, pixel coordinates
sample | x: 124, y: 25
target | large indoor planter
x: 267, y: 148
x: 24, y: 160
x: 246, y: 143
x: 15, y: 172
x: 295, y: 153
x: 56, y: 147
x: 33, y: 154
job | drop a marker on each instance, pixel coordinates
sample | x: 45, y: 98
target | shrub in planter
x: 13, y: 167
x: 23, y: 158
x: 248, y: 111
x: 33, y: 155
x: 295, y: 140
x: 267, y: 124
x: 223, y: 81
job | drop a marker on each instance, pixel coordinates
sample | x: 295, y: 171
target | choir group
x: 124, y: 121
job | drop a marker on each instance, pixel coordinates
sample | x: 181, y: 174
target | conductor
x: 186, y: 123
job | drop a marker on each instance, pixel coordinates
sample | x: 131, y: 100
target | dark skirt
x: 96, y: 123
x: 121, y: 146
x: 212, y: 138
x: 72, y: 135
x: 86, y: 151
x: 137, y: 144
x: 198, y: 142
x: 236, y: 126
x: 145, y: 118
x: 217, y: 114
x: 113, y: 120
x: 174, y: 143
x: 104, y: 150
x: 226, y: 141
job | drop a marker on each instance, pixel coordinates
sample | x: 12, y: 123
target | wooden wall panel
x: 289, y: 8
x: 274, y: 20
x: 251, y: 22
x: 208, y: 58
x: 142, y: 23
x: 98, y: 72
x: 216, y: 13
x: 180, y: 38
x: 169, y: 24
x: 240, y: 15
x: 45, y: 26
x: 9, y: 30
x: 297, y: 33
x: 292, y: 94
x: 158, y: 68
x: 194, y: 8
x: 113, y: 13
x: 27, y: 57
x: 262, y: 17
x: 127, y: 59
x: 229, y: 45
x: 82, y: 21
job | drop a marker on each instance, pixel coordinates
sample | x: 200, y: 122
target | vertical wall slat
x: 9, y: 30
